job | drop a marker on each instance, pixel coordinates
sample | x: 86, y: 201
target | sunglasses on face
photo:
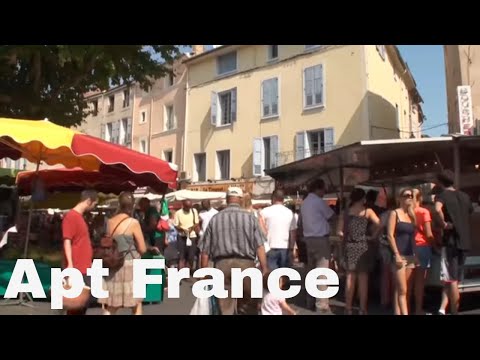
x: 407, y: 196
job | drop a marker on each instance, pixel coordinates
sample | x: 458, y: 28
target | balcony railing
x: 286, y: 157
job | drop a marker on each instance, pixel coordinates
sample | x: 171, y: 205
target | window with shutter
x: 227, y: 63
x: 223, y: 158
x: 224, y: 107
x: 143, y: 117
x: 126, y: 98
x: 318, y: 141
x: 314, y: 86
x: 169, y: 118
x: 270, y: 98
x: 200, y: 173
x: 272, y: 52
x: 111, y: 103
x: 109, y: 133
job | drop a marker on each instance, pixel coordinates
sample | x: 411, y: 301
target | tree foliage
x: 50, y: 81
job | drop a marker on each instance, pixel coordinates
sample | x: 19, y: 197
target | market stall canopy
x: 181, y: 195
x: 60, y: 200
x: 378, y: 162
x: 42, y: 141
x: 73, y: 180
x: 194, y: 195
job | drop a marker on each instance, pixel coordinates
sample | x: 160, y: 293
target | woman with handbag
x: 128, y: 235
x: 359, y: 255
x: 401, y: 236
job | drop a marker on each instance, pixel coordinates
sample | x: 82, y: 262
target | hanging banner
x: 465, y: 110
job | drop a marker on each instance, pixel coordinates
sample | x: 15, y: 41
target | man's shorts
x: 452, y: 264
x: 186, y: 252
x: 424, y: 256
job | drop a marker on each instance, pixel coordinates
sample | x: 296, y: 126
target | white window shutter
x: 117, y: 131
x: 214, y: 108
x: 308, y: 91
x: 266, y: 98
x: 257, y: 156
x: 300, y: 146
x: 103, y: 131
x: 318, y: 85
x: 114, y: 132
x: 128, y: 136
x: 275, y: 103
x: 234, y: 104
x: 306, y: 141
x: 329, y: 139
x: 274, y: 151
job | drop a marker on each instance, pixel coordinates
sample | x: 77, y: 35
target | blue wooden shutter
x: 300, y: 146
x: 234, y: 104
x: 213, y: 108
x: 329, y: 139
x: 275, y: 104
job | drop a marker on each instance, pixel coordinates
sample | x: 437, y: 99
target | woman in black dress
x: 359, y: 254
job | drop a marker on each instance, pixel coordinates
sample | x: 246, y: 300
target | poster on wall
x: 465, y: 110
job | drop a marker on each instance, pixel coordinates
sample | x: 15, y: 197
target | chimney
x: 198, y: 49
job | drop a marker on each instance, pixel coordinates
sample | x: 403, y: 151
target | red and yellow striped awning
x: 43, y: 141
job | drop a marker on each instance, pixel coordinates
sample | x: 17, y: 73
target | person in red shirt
x: 423, y: 243
x: 77, y: 245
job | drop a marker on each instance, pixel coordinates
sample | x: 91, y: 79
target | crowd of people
x: 401, y: 235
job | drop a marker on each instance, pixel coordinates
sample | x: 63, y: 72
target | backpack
x: 108, y: 251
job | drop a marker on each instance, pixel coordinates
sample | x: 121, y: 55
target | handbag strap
x: 116, y: 227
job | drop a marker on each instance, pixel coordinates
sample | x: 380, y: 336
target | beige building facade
x: 462, y: 68
x: 254, y: 107
x: 159, y: 117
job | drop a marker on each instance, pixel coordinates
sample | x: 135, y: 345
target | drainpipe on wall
x: 134, y: 88
x: 150, y: 123
x: 185, y: 127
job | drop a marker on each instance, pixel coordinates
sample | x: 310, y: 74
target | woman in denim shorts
x: 423, y: 241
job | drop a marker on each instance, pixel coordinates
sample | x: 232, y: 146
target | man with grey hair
x: 233, y: 239
x: 315, y: 216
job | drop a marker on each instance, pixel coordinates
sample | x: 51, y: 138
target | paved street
x: 182, y: 306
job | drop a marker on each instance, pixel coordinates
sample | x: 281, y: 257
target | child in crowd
x: 272, y: 305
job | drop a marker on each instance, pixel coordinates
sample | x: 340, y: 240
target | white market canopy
x: 185, y: 195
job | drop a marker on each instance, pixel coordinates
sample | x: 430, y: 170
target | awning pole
x: 342, y: 205
x: 456, y: 163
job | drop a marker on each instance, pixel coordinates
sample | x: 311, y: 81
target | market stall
x: 44, y: 142
x: 391, y: 164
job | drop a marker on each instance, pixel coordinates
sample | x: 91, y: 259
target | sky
x: 427, y: 65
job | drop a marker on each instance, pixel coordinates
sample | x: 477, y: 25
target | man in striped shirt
x: 233, y: 239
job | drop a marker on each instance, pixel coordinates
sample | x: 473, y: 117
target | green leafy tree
x: 50, y: 81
